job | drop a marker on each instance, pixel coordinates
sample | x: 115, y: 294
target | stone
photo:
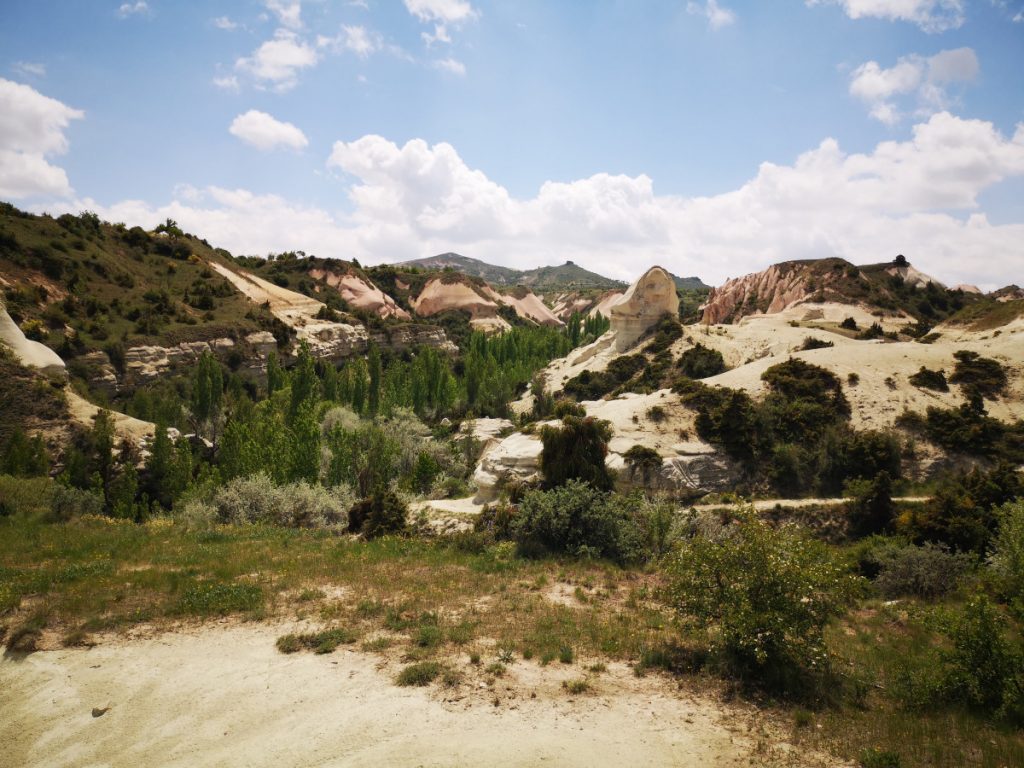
x: 515, y: 457
x: 646, y: 301
x: 29, y: 353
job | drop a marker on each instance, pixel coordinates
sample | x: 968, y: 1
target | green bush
x: 928, y: 571
x: 321, y: 642
x: 977, y: 375
x: 256, y: 499
x: 593, y: 385
x: 812, y: 343
x: 700, y: 362
x: 849, y: 324
x: 379, y: 515
x: 929, y: 379
x: 69, y: 503
x: 27, y: 497
x: 981, y: 668
x: 872, y: 509
x: 576, y: 450
x: 421, y: 674
x: 768, y: 593
x: 579, y: 520
x: 1007, y: 559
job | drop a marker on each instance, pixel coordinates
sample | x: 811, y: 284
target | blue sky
x: 711, y: 137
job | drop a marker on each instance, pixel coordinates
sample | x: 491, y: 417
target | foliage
x: 768, y: 593
x: 929, y: 379
x: 579, y: 520
x: 981, y: 668
x: 593, y: 385
x: 25, y: 457
x: 324, y: 641
x: 576, y: 450
x: 256, y: 499
x: 1007, y: 559
x: 420, y: 674
x: 380, y: 514
x: 813, y: 343
x: 640, y: 458
x: 963, y: 513
x: 700, y: 362
x: 928, y: 571
x: 872, y: 508
x: 977, y: 375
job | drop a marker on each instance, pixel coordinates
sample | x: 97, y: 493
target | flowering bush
x: 766, y: 594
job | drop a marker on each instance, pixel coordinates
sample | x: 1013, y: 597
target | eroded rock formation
x: 29, y: 353
x: 650, y: 297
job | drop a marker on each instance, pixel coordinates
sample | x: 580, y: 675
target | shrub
x: 579, y: 520
x: 565, y: 407
x: 644, y: 460
x: 929, y: 379
x: 877, y: 758
x: 29, y: 497
x: 211, y: 598
x: 256, y: 499
x: 849, y: 324
x: 592, y: 385
x: 68, y: 503
x: 927, y: 571
x: 981, y: 376
x: 1007, y: 559
x: 421, y: 674
x: 379, y: 515
x: 872, y: 508
x: 321, y: 642
x: 874, y: 332
x: 768, y: 592
x: 576, y: 451
x: 700, y: 362
x: 812, y: 343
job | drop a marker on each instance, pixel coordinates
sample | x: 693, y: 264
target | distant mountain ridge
x: 564, y: 276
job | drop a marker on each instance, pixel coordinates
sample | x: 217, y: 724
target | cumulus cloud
x: 930, y: 15
x: 32, y: 128
x: 445, y: 11
x: 223, y: 22
x: 133, y: 9
x: 356, y: 39
x: 918, y: 197
x: 926, y: 80
x: 717, y: 16
x: 277, y: 62
x: 289, y: 14
x: 262, y: 131
x: 449, y: 64
x: 227, y: 83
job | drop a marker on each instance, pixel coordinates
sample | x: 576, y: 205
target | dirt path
x: 764, y: 504
x: 224, y: 696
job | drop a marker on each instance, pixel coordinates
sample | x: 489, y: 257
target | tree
x: 24, y: 457
x: 644, y: 460
x: 375, y: 372
x: 276, y: 376
x: 207, y: 396
x: 576, y: 450
x: 305, y: 385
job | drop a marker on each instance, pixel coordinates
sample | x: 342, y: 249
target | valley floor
x: 223, y: 695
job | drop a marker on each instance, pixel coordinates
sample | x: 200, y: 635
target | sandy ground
x: 224, y: 696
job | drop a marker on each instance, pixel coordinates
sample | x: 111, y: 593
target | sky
x: 712, y: 137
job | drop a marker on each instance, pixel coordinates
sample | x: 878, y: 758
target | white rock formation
x: 650, y: 297
x: 31, y: 354
x: 515, y: 457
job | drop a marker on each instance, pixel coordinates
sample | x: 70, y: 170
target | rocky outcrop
x: 773, y: 290
x: 516, y: 458
x: 95, y: 367
x: 360, y: 294
x: 147, y: 362
x: 29, y: 353
x: 605, y: 303
x: 402, y: 337
x: 650, y: 297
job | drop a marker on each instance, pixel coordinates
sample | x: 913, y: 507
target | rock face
x: 360, y: 294
x: 31, y: 354
x: 402, y: 337
x: 773, y: 290
x: 694, y: 469
x: 650, y: 297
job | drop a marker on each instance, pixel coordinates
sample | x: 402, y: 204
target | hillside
x: 891, y: 289
x: 567, y: 276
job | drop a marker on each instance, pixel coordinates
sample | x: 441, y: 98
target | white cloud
x: 445, y: 11
x: 288, y: 12
x: 716, y: 15
x: 227, y: 83
x: 223, y: 22
x: 29, y: 68
x: 265, y: 132
x: 927, y: 80
x: 451, y: 65
x: 929, y: 15
x: 356, y: 39
x: 32, y: 128
x: 419, y: 199
x: 439, y: 35
x: 277, y: 62
x: 133, y: 9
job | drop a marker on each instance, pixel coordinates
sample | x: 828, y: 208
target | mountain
x: 567, y: 276
x: 690, y: 283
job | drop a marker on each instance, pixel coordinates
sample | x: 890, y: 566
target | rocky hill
x: 893, y: 289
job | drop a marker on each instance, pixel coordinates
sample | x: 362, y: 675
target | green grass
x: 319, y: 642
x: 423, y: 673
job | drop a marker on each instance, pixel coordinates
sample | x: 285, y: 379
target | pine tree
x: 374, y: 390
